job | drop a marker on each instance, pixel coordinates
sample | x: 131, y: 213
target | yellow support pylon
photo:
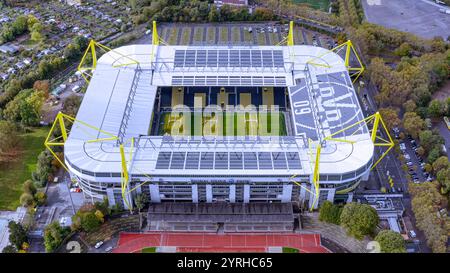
x: 290, y: 37
x: 155, y: 36
x: 93, y: 45
x: 354, y: 72
x: 376, y: 140
x: 52, y: 141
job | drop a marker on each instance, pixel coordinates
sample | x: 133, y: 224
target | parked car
x: 412, y: 234
x: 98, y: 244
x: 108, y: 249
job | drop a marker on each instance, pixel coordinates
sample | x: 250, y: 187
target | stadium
x: 220, y: 134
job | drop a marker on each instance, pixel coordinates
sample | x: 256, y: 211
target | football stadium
x: 220, y: 134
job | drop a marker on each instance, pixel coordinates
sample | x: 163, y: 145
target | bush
x: 40, y: 198
x: 330, y: 213
x: 28, y: 187
x: 90, y: 222
x: 54, y: 234
x: 27, y: 200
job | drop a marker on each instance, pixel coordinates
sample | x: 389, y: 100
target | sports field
x: 207, y: 242
x: 227, y: 124
x: 317, y: 4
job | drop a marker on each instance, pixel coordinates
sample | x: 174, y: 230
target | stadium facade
x: 310, y: 87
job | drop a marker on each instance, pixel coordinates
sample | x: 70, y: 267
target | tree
x: 40, y: 198
x: 410, y: 106
x: 434, y: 154
x: 99, y: 216
x: 390, y: 241
x: 426, y: 202
x: 413, y: 124
x: 90, y: 222
x: 429, y: 140
x: 214, y: 15
x: 43, y: 86
x: 20, y: 25
x: 54, y: 234
x: 440, y: 164
x: 330, y: 213
x: 43, y: 168
x: 390, y: 117
x: 71, y: 105
x: 443, y: 177
x: 17, y: 234
x: 36, y: 32
x: 9, y: 249
x: 140, y: 201
x: 27, y: 200
x: 71, y: 51
x: 28, y: 187
x: 437, y: 108
x: 9, y: 141
x: 403, y: 50
x: 359, y: 219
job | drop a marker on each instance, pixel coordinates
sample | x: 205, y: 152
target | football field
x: 226, y: 124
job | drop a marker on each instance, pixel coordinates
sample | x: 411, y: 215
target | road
x: 391, y: 165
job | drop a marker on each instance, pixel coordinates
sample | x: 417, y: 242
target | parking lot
x: 236, y: 34
x: 416, y: 165
x: 420, y: 17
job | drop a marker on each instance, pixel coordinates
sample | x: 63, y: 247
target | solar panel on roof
x: 236, y: 161
x: 206, y: 160
x: 163, y: 160
x: 177, y: 161
x: 221, y: 161
x: 250, y: 161
x: 293, y: 160
x: 192, y: 160
x: 279, y: 160
x: 264, y: 160
x: 229, y: 58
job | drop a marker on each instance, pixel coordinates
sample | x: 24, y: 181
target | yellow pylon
x: 354, y: 72
x: 92, y: 47
x: 51, y: 141
x: 376, y: 140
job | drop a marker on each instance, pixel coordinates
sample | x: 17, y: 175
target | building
x: 219, y: 124
x: 236, y: 3
x: 9, y: 49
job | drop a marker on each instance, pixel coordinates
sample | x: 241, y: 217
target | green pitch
x: 316, y: 4
x: 228, y: 124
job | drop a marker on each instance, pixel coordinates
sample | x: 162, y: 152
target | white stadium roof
x: 119, y: 100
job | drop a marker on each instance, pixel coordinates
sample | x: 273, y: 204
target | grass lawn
x: 237, y: 118
x: 224, y: 35
x: 316, y: 4
x: 261, y: 38
x: 290, y: 250
x: 274, y: 38
x: 185, y: 36
x: 198, y: 34
x: 173, y: 36
x: 248, y: 37
x: 149, y: 250
x: 211, y: 35
x: 236, y: 34
x: 14, y: 174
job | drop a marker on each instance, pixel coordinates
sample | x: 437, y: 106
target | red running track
x: 209, y: 242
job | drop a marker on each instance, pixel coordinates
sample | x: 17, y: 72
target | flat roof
x: 121, y: 96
